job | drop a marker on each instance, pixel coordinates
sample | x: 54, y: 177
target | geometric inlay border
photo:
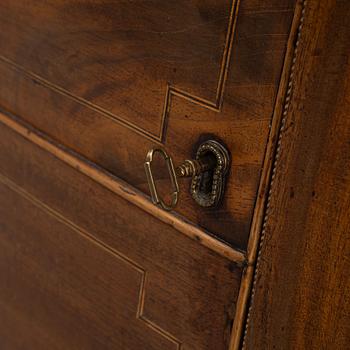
x: 170, y: 90
x: 86, y: 235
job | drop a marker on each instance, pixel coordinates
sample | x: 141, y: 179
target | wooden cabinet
x: 86, y: 89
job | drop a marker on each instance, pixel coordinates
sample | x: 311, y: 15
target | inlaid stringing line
x: 82, y: 232
x: 170, y: 90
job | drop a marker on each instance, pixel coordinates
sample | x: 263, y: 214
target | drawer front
x: 110, y: 80
x: 83, y: 268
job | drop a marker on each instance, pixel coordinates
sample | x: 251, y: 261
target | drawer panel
x: 84, y: 268
x: 110, y: 85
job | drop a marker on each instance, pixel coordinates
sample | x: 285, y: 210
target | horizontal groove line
x: 194, y: 99
x: 122, y: 189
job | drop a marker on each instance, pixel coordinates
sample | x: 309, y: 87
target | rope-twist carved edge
x: 273, y: 175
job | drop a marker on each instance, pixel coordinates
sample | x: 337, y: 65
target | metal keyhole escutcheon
x: 208, y: 171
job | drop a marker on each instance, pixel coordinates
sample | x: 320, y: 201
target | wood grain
x: 267, y: 174
x: 301, y: 290
x: 87, y: 88
x: 123, y: 189
x: 45, y: 260
x: 82, y: 266
x: 210, y: 69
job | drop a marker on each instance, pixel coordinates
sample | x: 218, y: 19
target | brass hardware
x: 152, y: 186
x: 208, y: 171
x: 190, y: 168
x: 207, y: 187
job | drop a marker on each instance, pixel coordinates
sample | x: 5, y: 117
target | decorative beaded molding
x: 274, y: 169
